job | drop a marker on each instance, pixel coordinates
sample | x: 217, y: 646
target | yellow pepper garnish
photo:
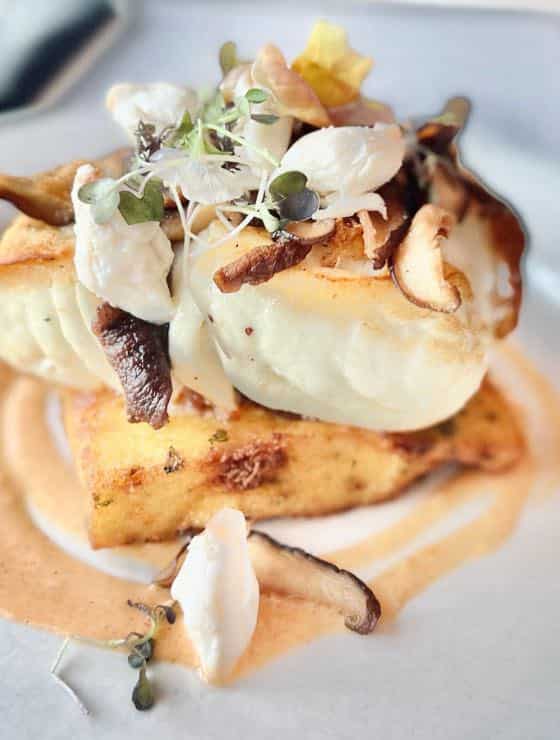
x: 330, y: 66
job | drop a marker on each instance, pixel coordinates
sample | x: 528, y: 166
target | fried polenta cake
x: 151, y: 485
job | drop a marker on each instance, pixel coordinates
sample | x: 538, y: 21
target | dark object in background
x: 47, y: 44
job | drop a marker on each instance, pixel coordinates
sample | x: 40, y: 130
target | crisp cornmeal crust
x: 145, y: 485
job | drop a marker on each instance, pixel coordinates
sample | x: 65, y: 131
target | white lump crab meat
x: 125, y: 265
x: 347, y: 165
x: 219, y: 594
x: 159, y: 103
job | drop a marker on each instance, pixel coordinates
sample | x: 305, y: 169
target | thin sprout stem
x: 223, y: 219
x: 234, y: 232
x: 239, y: 209
x: 145, y: 181
x: 247, y: 220
x: 62, y: 683
x: 243, y: 142
x: 181, y: 211
x: 127, y: 175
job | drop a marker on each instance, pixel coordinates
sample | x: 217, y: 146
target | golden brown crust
x: 248, y: 466
x: 309, y: 467
x: 36, y: 233
x: 46, y: 196
x: 28, y: 240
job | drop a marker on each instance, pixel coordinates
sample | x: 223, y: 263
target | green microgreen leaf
x: 228, y: 57
x: 214, y: 108
x: 143, y: 695
x: 266, y: 118
x: 94, y: 191
x: 163, y: 611
x: 103, y: 210
x: 298, y: 206
x: 146, y: 649
x: 256, y: 95
x: 179, y: 135
x: 242, y: 105
x: 288, y: 183
x: 271, y: 223
x: 211, y: 148
x: 149, y: 207
x: 135, y: 660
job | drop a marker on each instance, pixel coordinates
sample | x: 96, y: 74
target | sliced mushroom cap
x: 33, y: 197
x: 261, y: 264
x: 312, y: 232
x: 292, y: 571
x: 417, y: 265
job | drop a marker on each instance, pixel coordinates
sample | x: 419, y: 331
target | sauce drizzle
x: 42, y: 585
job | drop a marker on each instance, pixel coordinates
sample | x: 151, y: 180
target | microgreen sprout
x: 293, y: 200
x: 288, y: 200
x: 61, y: 682
x: 214, y: 140
x: 144, y: 206
x: 103, y: 197
x: 147, y: 141
x: 256, y: 95
x: 143, y: 694
x: 140, y: 649
x: 266, y: 118
x: 177, y: 137
x: 142, y: 200
x: 287, y: 184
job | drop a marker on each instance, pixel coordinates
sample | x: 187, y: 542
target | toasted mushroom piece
x: 46, y: 196
x: 261, y: 264
x: 417, y: 266
x: 312, y: 232
x: 37, y: 199
x: 439, y: 134
x: 293, y: 571
x: 382, y: 235
x: 138, y: 353
x: 172, y: 225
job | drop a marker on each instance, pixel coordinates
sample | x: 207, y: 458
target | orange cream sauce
x: 42, y: 585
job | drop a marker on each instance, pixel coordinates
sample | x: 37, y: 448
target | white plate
x: 448, y: 668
